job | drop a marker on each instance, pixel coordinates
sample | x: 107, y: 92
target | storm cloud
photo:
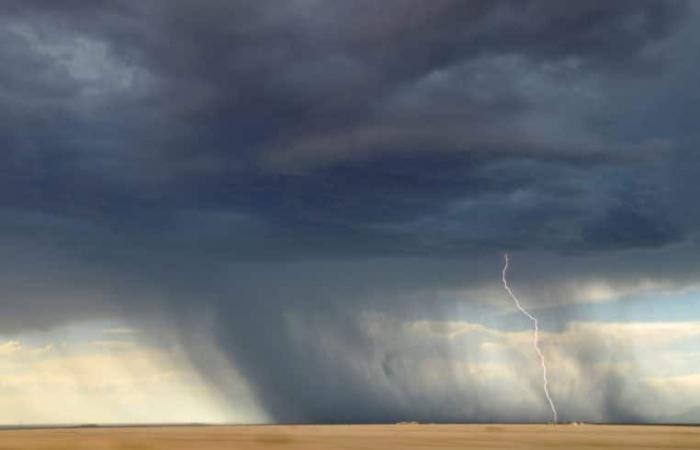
x: 282, y: 175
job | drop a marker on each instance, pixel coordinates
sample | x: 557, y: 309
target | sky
x: 296, y: 211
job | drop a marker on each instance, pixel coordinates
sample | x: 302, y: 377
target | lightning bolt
x: 536, y: 340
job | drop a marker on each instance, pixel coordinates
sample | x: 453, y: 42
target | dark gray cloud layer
x: 153, y: 149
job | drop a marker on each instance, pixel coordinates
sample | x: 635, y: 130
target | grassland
x: 411, y: 436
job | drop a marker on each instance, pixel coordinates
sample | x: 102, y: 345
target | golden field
x: 376, y: 437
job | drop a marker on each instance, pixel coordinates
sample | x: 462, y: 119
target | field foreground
x: 410, y: 436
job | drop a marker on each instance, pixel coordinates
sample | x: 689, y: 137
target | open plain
x: 330, y: 437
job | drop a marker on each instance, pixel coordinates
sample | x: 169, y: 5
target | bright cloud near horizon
x: 296, y: 210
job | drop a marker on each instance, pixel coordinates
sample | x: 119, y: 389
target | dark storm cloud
x: 245, y: 106
x: 334, y: 157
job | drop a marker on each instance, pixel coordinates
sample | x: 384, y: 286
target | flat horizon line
x: 49, y: 426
